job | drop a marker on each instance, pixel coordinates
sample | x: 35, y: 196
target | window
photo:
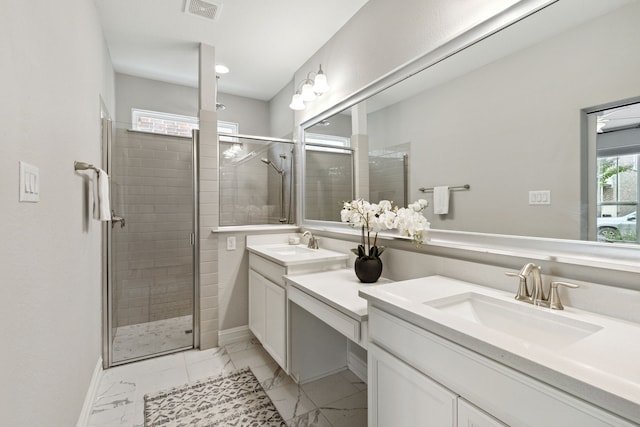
x: 163, y: 123
x: 172, y: 124
x: 322, y: 142
x: 618, y: 175
x: 617, y: 198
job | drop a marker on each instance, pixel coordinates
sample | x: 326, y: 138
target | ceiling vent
x: 203, y: 9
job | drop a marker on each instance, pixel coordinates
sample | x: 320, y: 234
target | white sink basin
x: 289, y: 250
x: 532, y: 324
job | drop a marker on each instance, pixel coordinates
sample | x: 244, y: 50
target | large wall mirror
x: 528, y: 109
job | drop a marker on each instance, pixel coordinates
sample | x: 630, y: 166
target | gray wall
x: 281, y: 116
x: 385, y: 35
x: 55, y: 69
x: 154, y: 95
x: 252, y: 114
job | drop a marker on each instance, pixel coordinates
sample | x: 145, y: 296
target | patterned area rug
x: 235, y: 399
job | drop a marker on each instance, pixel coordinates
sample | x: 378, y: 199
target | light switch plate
x: 540, y: 197
x: 29, y: 183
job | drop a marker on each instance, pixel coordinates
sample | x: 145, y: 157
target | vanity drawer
x: 268, y: 269
x: 342, y: 323
x: 510, y: 396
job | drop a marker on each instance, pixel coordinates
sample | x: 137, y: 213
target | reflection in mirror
x: 330, y: 167
x: 328, y: 173
x: 389, y: 174
x: 506, y: 115
x: 617, y: 151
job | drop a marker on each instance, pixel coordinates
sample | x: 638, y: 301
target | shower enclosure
x: 256, y: 179
x: 389, y: 174
x: 150, y: 286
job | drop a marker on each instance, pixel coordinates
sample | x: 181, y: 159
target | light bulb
x: 308, y: 93
x: 320, y: 85
x: 296, y: 102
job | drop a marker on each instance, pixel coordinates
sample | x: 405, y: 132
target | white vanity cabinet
x: 267, y: 319
x: 471, y: 416
x: 268, y: 264
x: 415, y: 377
x: 401, y: 396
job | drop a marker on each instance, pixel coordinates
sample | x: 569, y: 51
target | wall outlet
x: 231, y: 243
x: 540, y: 197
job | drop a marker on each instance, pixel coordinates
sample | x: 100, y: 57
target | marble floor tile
x: 310, y: 419
x: 271, y: 376
x: 251, y: 357
x: 354, y: 379
x: 290, y: 401
x: 161, y: 380
x: 347, y: 412
x: 243, y: 345
x: 120, y: 397
x: 194, y: 356
x: 329, y: 389
x: 213, y: 366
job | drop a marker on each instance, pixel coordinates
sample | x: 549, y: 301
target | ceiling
x: 263, y: 42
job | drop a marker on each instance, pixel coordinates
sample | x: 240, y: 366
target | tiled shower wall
x: 243, y: 185
x: 152, y: 189
x: 249, y: 188
x: 328, y: 183
x: 387, y: 179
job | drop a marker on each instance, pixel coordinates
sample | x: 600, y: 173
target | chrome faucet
x: 313, y: 241
x: 537, y: 292
x: 536, y: 296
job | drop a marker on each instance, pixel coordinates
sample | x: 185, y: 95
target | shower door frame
x: 107, y: 260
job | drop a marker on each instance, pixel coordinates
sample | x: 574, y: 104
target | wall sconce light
x: 309, y: 89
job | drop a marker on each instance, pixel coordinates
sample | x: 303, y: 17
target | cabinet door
x: 275, y: 322
x: 401, y: 396
x: 256, y: 304
x: 471, y: 416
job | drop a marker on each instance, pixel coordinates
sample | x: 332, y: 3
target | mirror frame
x: 610, y: 256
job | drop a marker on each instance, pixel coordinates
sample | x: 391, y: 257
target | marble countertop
x: 338, y: 289
x: 603, y: 368
x: 287, y: 255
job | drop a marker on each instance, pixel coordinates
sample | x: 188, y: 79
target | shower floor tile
x: 155, y: 337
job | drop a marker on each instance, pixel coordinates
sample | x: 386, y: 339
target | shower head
x: 269, y: 162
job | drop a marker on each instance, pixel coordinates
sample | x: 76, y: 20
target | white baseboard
x: 83, y: 420
x: 233, y: 335
x: 357, y: 366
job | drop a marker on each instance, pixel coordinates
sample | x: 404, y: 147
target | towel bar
x: 81, y: 166
x: 455, y: 187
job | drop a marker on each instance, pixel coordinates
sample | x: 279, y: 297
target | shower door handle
x: 115, y: 218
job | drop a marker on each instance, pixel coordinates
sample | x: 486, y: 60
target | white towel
x: 441, y: 200
x: 101, y: 203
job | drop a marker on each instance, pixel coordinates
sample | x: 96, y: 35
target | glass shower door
x: 151, y: 291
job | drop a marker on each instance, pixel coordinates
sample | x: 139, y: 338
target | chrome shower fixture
x: 280, y: 171
x: 269, y: 162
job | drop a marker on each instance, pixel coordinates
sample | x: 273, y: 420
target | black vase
x: 368, y: 268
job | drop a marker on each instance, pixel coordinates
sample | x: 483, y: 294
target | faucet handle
x: 554, y: 298
x: 523, y: 290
